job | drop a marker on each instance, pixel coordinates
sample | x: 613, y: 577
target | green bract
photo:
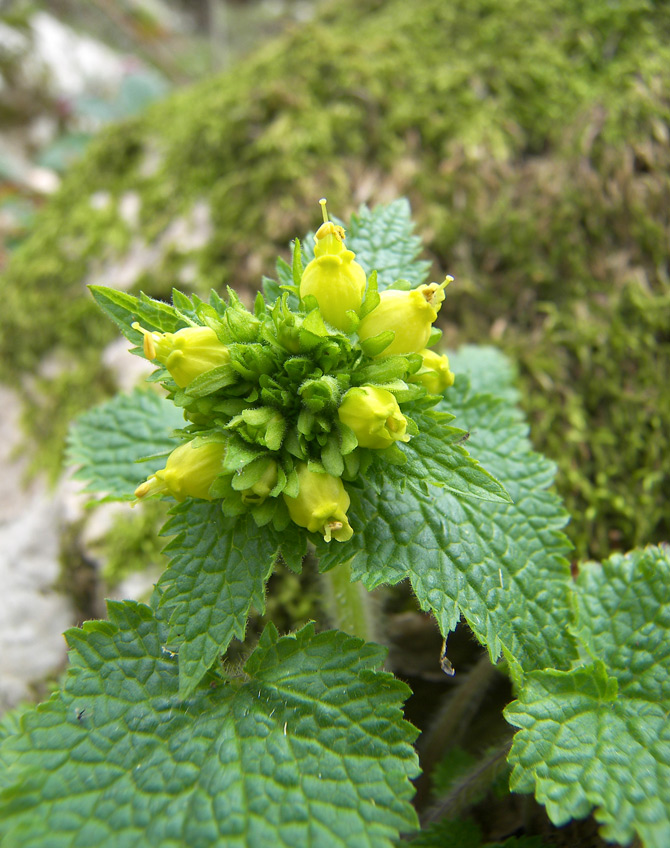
x: 282, y: 401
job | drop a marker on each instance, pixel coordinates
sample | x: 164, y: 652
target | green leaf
x: 435, y: 456
x: 488, y: 369
x: 502, y: 566
x: 109, y: 440
x: 308, y: 748
x: 217, y: 572
x: 383, y: 241
x: 124, y: 309
x: 598, y: 736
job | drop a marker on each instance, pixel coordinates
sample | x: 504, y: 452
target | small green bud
x: 409, y: 314
x: 186, y: 354
x: 256, y: 494
x: 374, y: 416
x: 333, y: 277
x: 189, y: 472
x: 321, y: 505
x: 435, y: 374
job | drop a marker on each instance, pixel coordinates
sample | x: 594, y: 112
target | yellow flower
x: 333, y: 277
x: 409, y: 314
x: 435, y: 373
x: 321, y: 505
x: 189, y: 472
x: 374, y: 416
x: 186, y: 354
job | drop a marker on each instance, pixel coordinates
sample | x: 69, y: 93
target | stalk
x: 349, y: 605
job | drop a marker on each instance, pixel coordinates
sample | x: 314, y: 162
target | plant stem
x: 452, y: 721
x: 348, y: 604
x: 477, y: 780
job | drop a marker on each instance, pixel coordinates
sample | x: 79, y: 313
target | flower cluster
x: 288, y: 402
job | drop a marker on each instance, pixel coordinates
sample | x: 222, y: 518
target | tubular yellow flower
x: 435, y: 373
x: 321, y: 505
x: 189, y: 472
x: 186, y: 354
x: 410, y: 314
x: 374, y: 416
x: 333, y: 277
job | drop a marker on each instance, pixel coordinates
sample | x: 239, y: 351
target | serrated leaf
x: 598, y: 736
x: 488, y: 369
x: 435, y: 456
x: 109, y: 440
x: 383, y: 241
x: 218, y: 570
x: 310, y: 748
x: 124, y: 309
x: 502, y: 566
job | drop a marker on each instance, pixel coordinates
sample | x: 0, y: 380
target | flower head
x: 189, y: 472
x: 409, y: 314
x: 333, y: 277
x: 374, y: 416
x: 186, y: 354
x: 321, y: 505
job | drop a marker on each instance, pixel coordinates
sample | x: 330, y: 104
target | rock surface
x: 33, y: 612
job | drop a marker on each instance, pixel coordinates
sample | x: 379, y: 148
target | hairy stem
x: 452, y: 721
x: 348, y: 604
x: 475, y: 782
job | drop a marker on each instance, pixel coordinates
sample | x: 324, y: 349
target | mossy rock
x: 532, y: 139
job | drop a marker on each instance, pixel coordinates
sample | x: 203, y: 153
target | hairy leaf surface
x: 598, y: 736
x: 308, y: 748
x: 109, y: 441
x: 217, y: 572
x: 437, y: 457
x: 502, y: 566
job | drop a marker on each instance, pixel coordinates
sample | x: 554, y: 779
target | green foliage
x: 536, y: 154
x: 597, y: 735
x: 307, y: 746
x: 218, y: 570
x: 502, y: 566
x: 154, y: 739
x: 122, y: 441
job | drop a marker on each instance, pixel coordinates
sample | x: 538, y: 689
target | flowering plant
x: 319, y: 423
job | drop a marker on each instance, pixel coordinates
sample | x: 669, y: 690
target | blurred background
x: 148, y: 144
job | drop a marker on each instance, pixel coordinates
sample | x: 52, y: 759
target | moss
x: 532, y: 139
x: 133, y: 543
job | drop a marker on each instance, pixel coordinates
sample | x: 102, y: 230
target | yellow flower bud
x: 374, y: 416
x: 333, y: 277
x: 321, y: 505
x: 186, y: 354
x: 410, y: 314
x: 257, y: 493
x: 435, y: 373
x: 189, y: 472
